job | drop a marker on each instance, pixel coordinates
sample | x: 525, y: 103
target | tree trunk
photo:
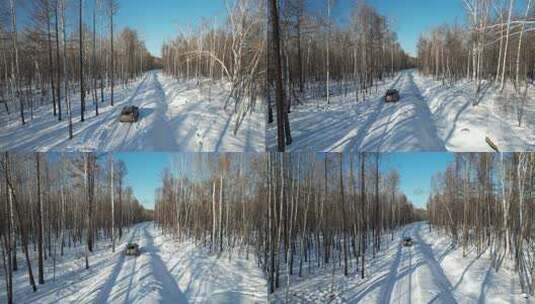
x: 280, y: 104
x: 16, y: 71
x: 112, y: 198
x: 40, y: 221
x: 58, y: 71
x: 82, y: 89
x: 112, y: 67
x: 511, y: 4
x: 517, y: 80
x: 50, y: 62
x: 65, y: 80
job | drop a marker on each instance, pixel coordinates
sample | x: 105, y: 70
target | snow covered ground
x: 429, y: 117
x: 175, y: 116
x: 165, y: 272
x: 431, y: 271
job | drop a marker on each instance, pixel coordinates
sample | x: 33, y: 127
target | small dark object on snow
x: 129, y: 114
x: 407, y: 242
x: 392, y: 95
x: 132, y: 249
x: 492, y: 144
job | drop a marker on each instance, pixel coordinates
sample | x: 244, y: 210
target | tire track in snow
x: 105, y: 289
x: 388, y: 288
x: 402, y: 126
x: 355, y: 137
x: 158, y: 134
x: 103, y: 132
x: 160, y: 277
x: 439, y: 278
x: 405, y: 125
x: 133, y: 272
x: 418, y: 260
x: 425, y: 116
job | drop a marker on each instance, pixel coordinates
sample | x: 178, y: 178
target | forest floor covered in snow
x: 433, y: 270
x: 165, y: 272
x: 429, y: 117
x: 174, y: 116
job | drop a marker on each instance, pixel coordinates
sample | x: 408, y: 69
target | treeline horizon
x: 497, y: 44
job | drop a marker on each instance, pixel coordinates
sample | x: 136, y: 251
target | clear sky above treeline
x: 410, y: 18
x: 158, y: 21
x: 415, y: 169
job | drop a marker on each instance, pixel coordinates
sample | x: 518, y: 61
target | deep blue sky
x: 415, y: 169
x: 158, y: 20
x: 411, y: 18
x: 144, y: 173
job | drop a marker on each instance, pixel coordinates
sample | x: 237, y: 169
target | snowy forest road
x: 403, y: 126
x: 143, y: 279
x: 433, y: 270
x: 372, y: 125
x: 184, y: 116
x: 430, y: 116
x: 405, y: 275
x: 166, y: 271
x: 419, y: 277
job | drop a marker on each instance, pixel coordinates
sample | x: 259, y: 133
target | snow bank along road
x: 429, y: 117
x: 431, y: 271
x: 175, y: 116
x: 165, y: 272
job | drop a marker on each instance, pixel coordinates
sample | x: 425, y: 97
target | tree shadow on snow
x: 106, y: 289
x: 168, y: 287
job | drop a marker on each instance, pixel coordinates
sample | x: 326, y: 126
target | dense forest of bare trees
x: 64, y: 51
x: 232, y: 51
x: 486, y: 201
x: 325, y: 58
x: 329, y: 212
x: 296, y: 212
x: 57, y: 202
x: 497, y: 45
x: 214, y: 199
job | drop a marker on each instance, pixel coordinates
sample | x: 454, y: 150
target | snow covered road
x: 141, y: 279
x: 165, y: 272
x: 429, y: 117
x: 403, y: 126
x: 419, y: 277
x: 175, y: 116
x: 431, y: 271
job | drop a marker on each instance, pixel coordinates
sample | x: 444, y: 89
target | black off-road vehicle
x: 392, y: 95
x: 129, y: 114
x: 132, y: 249
x: 407, y: 241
